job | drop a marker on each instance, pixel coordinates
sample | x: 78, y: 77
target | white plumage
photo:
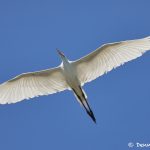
x: 72, y: 75
x: 109, y: 56
x: 32, y: 84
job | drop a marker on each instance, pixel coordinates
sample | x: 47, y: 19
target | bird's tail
x: 83, y: 101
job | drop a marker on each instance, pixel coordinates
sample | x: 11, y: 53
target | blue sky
x: 30, y: 31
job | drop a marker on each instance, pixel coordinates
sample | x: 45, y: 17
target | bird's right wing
x: 33, y: 84
x: 109, y: 56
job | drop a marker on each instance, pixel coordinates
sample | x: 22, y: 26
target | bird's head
x: 61, y: 54
x: 63, y: 57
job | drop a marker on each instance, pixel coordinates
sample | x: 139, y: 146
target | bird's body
x: 73, y: 75
x: 70, y: 74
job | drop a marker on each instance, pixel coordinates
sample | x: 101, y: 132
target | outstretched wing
x: 32, y: 84
x: 109, y: 56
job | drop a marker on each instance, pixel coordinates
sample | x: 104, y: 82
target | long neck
x: 65, y: 60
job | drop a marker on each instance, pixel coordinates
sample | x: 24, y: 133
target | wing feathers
x: 32, y: 84
x: 88, y: 68
x: 108, y: 57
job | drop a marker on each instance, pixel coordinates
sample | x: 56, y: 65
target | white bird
x: 72, y: 75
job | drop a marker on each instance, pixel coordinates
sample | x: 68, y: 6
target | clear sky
x: 30, y: 32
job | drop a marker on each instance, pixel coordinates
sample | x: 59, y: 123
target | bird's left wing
x: 33, y: 84
x: 109, y: 56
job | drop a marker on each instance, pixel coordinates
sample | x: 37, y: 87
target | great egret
x: 73, y: 75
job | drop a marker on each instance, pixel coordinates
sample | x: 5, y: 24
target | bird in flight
x: 72, y: 75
